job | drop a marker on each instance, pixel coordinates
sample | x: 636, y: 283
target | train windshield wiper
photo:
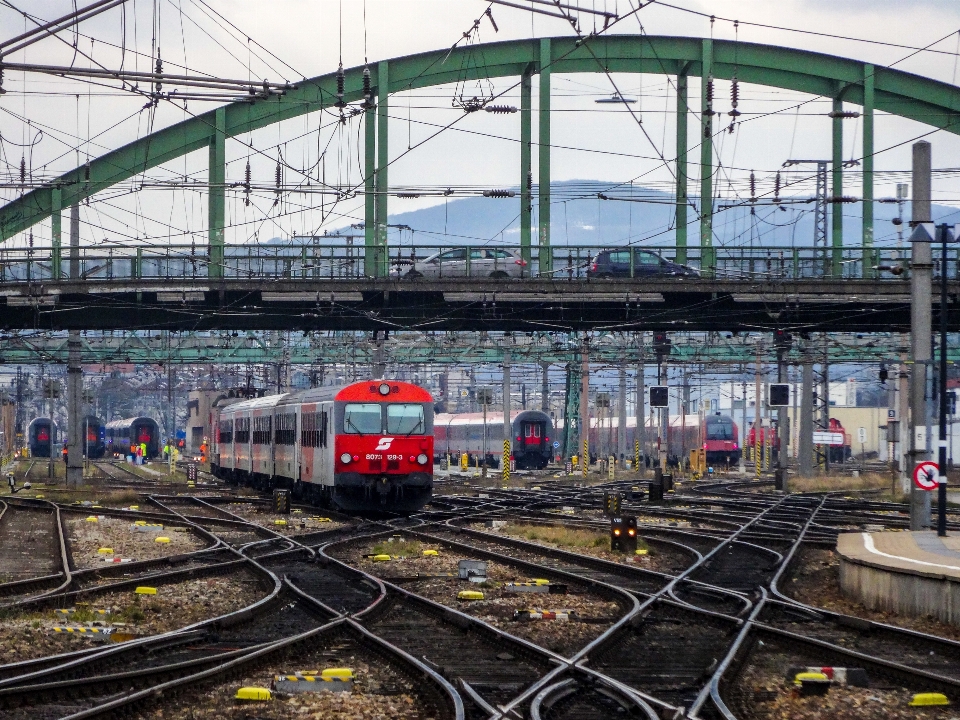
x: 418, y: 426
x: 350, y: 423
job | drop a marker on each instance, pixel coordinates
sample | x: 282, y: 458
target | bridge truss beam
x: 874, y: 88
x: 411, y: 348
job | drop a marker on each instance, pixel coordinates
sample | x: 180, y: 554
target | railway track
x: 683, y: 636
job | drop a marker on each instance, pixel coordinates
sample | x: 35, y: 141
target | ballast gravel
x: 117, y: 534
x: 591, y: 614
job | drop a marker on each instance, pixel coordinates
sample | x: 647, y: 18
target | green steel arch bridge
x: 327, y: 286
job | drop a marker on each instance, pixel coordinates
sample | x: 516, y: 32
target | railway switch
x: 623, y: 534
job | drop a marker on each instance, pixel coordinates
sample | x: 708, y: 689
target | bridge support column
x: 56, y: 231
x: 868, y: 103
x: 369, y: 191
x: 526, y: 172
x: 546, y: 259
x: 383, y: 164
x: 836, y: 207
x: 707, y: 259
x: 216, y: 199
x: 682, y: 190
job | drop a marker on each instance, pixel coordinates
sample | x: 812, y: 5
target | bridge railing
x: 318, y: 261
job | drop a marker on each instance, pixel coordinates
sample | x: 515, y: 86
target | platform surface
x: 919, y: 553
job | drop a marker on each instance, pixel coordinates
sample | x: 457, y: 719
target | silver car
x: 465, y: 262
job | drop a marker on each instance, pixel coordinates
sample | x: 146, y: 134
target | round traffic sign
x: 556, y: 443
x: 925, y: 475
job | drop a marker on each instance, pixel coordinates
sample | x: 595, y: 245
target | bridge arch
x: 872, y: 87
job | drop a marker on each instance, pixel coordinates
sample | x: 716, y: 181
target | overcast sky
x: 56, y: 124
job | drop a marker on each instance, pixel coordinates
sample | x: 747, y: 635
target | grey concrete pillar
x: 622, y: 451
x: 74, y: 410
x: 805, y: 444
x: 921, y: 278
x: 585, y: 412
x: 641, y: 431
x: 545, y: 387
x: 507, y: 431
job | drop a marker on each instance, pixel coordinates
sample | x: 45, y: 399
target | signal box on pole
x: 623, y: 534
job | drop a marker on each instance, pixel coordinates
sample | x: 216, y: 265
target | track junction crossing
x: 676, y: 641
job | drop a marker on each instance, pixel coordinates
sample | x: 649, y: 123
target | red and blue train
x: 531, y: 437
x: 364, y: 448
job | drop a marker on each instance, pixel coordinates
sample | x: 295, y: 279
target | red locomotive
x: 364, y: 448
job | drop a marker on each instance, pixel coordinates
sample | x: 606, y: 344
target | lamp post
x: 947, y: 234
x: 944, y: 234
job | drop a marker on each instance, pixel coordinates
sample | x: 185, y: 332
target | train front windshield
x: 720, y: 429
x: 362, y: 418
x: 368, y: 419
x: 405, y: 419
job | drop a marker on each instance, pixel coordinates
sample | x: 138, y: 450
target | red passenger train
x: 364, y: 448
x: 717, y: 434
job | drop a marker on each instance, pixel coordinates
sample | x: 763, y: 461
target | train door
x: 533, y: 433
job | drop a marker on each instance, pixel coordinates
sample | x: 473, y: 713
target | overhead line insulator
x: 499, y: 193
x: 843, y: 114
x: 500, y: 109
x: 340, y: 82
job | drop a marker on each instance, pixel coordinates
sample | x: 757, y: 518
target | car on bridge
x: 464, y: 262
x: 635, y: 262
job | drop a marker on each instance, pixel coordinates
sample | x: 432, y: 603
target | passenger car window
x: 452, y: 255
x: 478, y: 254
x: 645, y: 257
x: 500, y: 254
x: 405, y: 419
x: 620, y: 257
x: 362, y: 419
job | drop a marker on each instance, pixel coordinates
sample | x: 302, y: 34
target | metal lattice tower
x: 571, y: 410
x: 820, y: 238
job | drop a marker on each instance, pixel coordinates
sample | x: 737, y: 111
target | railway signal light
x: 623, y: 534
x: 659, y: 396
x: 782, y: 340
x: 661, y: 344
x: 779, y: 395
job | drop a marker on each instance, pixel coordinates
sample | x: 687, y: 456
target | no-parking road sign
x: 925, y: 475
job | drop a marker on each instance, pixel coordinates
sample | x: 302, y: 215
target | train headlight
x: 422, y: 458
x: 384, y: 389
x: 345, y: 458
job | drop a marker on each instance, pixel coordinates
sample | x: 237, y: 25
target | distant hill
x: 638, y: 215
